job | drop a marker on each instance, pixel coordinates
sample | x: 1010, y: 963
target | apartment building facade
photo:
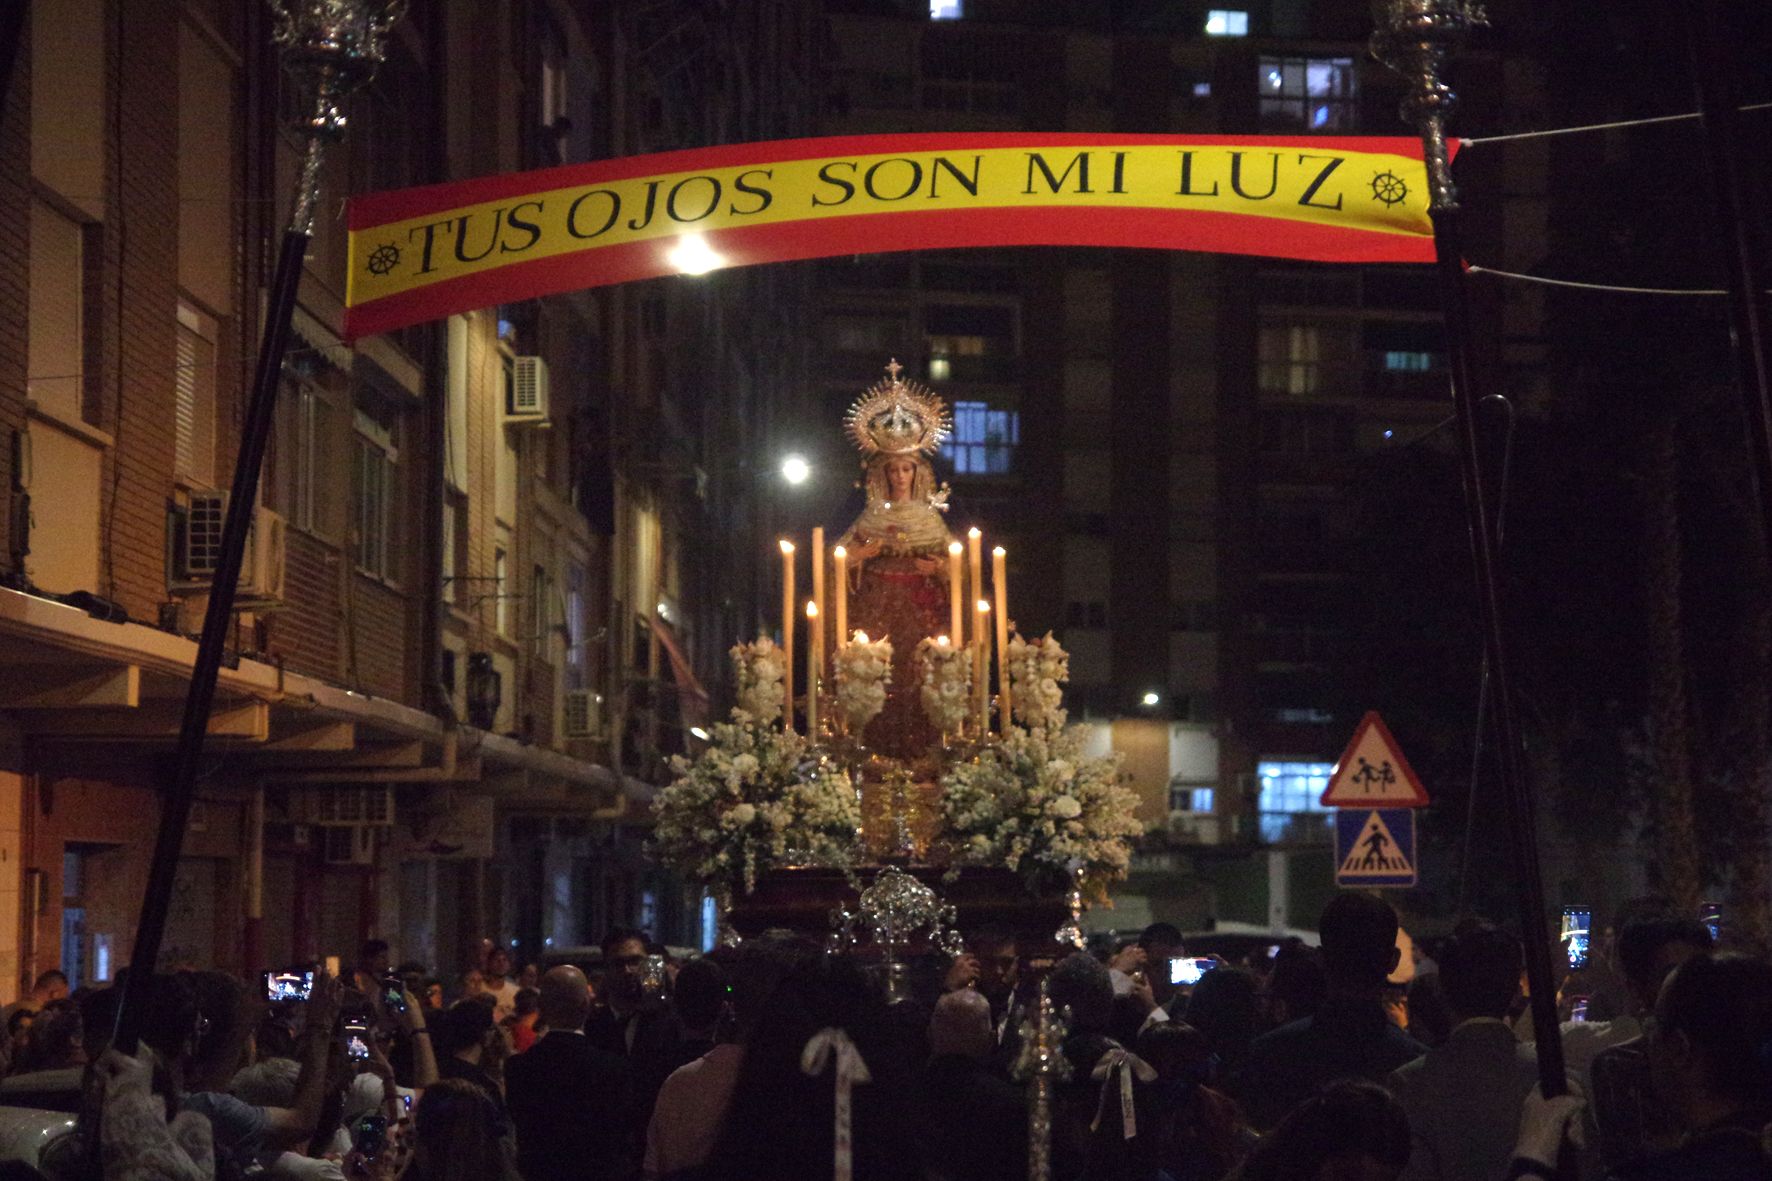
x: 494, y: 559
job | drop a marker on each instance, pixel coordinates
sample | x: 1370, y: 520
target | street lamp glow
x: 795, y: 469
x: 1151, y: 698
x: 693, y: 256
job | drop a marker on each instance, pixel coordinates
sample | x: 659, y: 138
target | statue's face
x: 900, y: 475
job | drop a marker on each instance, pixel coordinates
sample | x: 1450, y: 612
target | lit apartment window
x: 501, y: 612
x: 1186, y: 796
x: 1289, y: 791
x: 577, y: 633
x: 304, y: 450
x: 193, y: 402
x: 1310, y: 94
x: 1408, y: 362
x: 1226, y: 22
x: 945, y: 10
x: 1290, y: 355
x: 984, y: 439
x: 373, y: 487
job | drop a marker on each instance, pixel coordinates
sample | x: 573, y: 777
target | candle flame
x: 811, y: 609
x: 840, y: 552
x: 861, y: 637
x: 941, y: 641
x: 787, y: 547
x: 983, y: 606
x: 974, y: 532
x: 954, y: 548
x: 998, y: 552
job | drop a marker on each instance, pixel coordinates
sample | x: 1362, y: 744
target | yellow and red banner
x: 424, y: 253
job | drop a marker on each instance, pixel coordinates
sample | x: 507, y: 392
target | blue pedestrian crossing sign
x: 1375, y: 847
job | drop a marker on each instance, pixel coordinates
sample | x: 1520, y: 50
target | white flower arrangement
x: 1038, y: 670
x: 946, y: 691
x: 864, y: 669
x: 1035, y: 802
x: 756, y: 798
x: 760, y: 667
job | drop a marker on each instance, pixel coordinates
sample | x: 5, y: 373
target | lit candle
x: 981, y: 689
x: 955, y: 596
x: 861, y: 637
x: 1000, y: 585
x: 941, y: 641
x: 787, y: 634
x: 975, y: 562
x: 813, y: 669
x: 818, y: 588
x: 841, y: 557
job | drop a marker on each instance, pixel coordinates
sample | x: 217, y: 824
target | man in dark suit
x: 636, y: 1024
x: 1349, y: 1036
x: 569, y: 1099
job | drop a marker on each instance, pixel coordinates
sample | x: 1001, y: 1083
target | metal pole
x: 1713, y: 63
x: 337, y: 44
x: 1414, y: 38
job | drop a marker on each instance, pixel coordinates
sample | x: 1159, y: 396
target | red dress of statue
x: 898, y: 550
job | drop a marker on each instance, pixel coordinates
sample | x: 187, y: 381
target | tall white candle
x: 787, y: 634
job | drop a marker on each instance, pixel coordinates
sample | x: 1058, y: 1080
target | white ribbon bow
x: 823, y: 1046
x: 1126, y: 1064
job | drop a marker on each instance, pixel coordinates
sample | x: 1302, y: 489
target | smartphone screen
x: 393, y: 992
x: 1711, y: 915
x: 356, y: 1049
x: 1578, y: 1008
x: 288, y: 986
x: 369, y: 1135
x: 1577, y: 927
x: 1188, y: 970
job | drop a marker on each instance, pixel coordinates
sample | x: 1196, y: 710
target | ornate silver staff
x: 1414, y: 38
x: 1042, y: 1065
x: 892, y: 910
x: 331, y: 47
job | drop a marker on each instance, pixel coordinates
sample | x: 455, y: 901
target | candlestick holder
x: 1414, y: 38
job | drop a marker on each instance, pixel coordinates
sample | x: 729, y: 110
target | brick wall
x: 140, y: 299
x: 306, y: 633
x: 15, y: 259
x: 381, y: 638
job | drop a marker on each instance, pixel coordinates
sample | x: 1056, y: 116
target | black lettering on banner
x: 645, y: 219
x: 867, y: 180
x: 430, y: 233
x: 824, y: 174
x: 970, y: 184
x: 1237, y: 177
x: 1187, y: 179
x: 1080, y: 162
x: 739, y: 185
x: 572, y: 213
x: 517, y: 223
x: 671, y: 201
x: 461, y: 236
x: 1119, y: 185
x: 1310, y: 190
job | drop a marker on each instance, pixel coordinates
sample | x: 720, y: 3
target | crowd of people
x: 773, y: 1059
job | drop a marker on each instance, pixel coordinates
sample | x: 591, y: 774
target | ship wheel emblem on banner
x: 1389, y: 188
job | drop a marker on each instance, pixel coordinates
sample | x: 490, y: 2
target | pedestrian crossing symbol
x: 1375, y: 847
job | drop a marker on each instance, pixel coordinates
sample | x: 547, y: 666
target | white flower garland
x: 760, y: 667
x: 757, y: 797
x: 864, y: 669
x: 1038, y: 670
x: 1035, y: 802
x: 946, y: 691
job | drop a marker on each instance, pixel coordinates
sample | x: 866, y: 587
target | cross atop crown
x: 894, y: 369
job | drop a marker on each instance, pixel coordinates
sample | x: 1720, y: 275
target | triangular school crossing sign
x: 1372, y: 772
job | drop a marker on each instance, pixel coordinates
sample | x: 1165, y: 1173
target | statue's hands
x: 863, y: 551
x: 929, y: 567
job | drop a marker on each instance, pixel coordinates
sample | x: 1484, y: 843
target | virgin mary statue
x: 898, y: 547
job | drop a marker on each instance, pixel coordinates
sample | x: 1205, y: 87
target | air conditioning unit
x: 583, y: 710
x: 262, y: 565
x: 338, y: 807
x: 528, y: 396
x: 348, y: 846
